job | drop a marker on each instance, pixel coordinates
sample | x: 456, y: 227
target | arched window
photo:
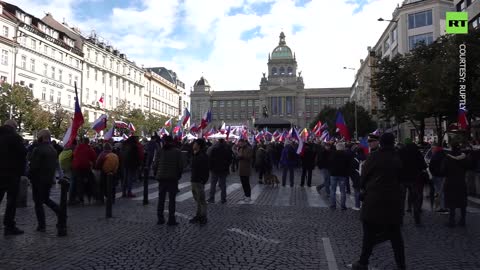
x: 274, y: 71
x: 282, y: 71
x: 290, y: 70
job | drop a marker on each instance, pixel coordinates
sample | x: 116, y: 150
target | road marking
x: 254, y: 236
x: 283, y: 196
x: 254, y: 194
x: 136, y: 190
x: 314, y: 199
x: 332, y: 263
x: 154, y: 195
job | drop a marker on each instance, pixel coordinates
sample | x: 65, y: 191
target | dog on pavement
x: 271, y: 179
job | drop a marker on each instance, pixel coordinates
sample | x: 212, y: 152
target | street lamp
x: 383, y: 20
x: 355, y: 102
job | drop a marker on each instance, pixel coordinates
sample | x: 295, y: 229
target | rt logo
x: 457, y: 23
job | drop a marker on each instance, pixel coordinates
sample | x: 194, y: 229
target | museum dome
x: 282, y: 51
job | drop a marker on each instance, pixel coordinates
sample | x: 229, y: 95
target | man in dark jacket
x: 131, y: 161
x: 308, y: 163
x: 288, y: 161
x: 219, y: 163
x: 200, y: 174
x: 381, y: 212
x: 84, y: 158
x: 340, y: 164
x: 323, y: 156
x: 43, y: 163
x: 169, y: 172
x: 12, y: 167
x: 412, y: 178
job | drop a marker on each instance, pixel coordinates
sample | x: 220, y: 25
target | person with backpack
x: 65, y: 160
x: 288, y: 161
x: 107, y: 163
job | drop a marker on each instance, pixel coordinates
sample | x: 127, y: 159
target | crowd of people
x: 387, y: 181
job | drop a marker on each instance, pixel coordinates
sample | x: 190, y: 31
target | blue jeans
x: 356, y: 193
x: 326, y: 179
x: 221, y: 179
x: 438, y: 185
x: 342, y: 182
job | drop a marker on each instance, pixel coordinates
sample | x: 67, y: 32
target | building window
x: 88, y: 72
x: 116, y: 101
x: 77, y: 63
x: 331, y: 101
x: 103, y: 77
x: 53, y: 53
x: 69, y: 98
x: 59, y: 97
x: 34, y: 44
x: 23, y: 62
x: 420, y: 19
x: 60, y: 75
x: 5, y: 31
x: 70, y: 79
x: 76, y: 80
x: 274, y: 71
x: 53, y: 73
x: 110, y: 80
x: 61, y: 56
x: 289, y: 105
x: 242, y: 103
x: 250, y: 103
x: 96, y: 57
x: 339, y: 101
x: 394, y: 35
x: 222, y: 103
x: 96, y: 75
x: 282, y: 71
x: 44, y: 93
x: 315, y: 102
x: 4, y: 57
x: 51, y: 95
x: 95, y: 95
x: 88, y: 53
x: 214, y: 104
x: 87, y: 96
x: 110, y: 100
x: 117, y: 82
x: 307, y: 102
x: 273, y: 105
x: 32, y: 65
x: 414, y: 41
x: 386, y: 44
x: 45, y: 50
x: 45, y: 69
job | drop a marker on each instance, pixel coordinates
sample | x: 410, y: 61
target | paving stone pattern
x: 238, y: 236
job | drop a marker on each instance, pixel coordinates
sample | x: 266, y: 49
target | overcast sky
x: 228, y: 41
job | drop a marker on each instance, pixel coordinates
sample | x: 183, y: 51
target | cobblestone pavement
x: 282, y: 228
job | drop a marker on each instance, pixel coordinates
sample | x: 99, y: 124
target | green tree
x: 59, y: 121
x: 21, y: 102
x: 36, y: 119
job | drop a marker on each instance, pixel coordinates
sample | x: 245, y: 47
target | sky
x: 228, y: 41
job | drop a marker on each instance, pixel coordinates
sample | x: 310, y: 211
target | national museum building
x: 282, y: 97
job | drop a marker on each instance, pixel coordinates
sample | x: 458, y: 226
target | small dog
x: 271, y: 179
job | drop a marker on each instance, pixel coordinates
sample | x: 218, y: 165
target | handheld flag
x: 228, y: 132
x: 317, y: 126
x: 223, y: 128
x: 206, y: 119
x: 121, y: 124
x: 341, y: 126
x: 186, y: 116
x: 76, y: 123
x: 109, y: 135
x: 100, y: 124
x: 101, y: 100
x: 301, y: 147
x: 364, y: 145
x: 131, y: 127
x: 168, y: 123
x: 462, y: 119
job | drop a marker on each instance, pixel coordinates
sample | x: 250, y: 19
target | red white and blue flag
x: 228, y: 132
x: 131, y: 127
x: 364, y: 145
x: 462, y: 119
x: 109, y: 135
x: 163, y: 131
x: 293, y: 134
x: 223, y: 129
x: 194, y: 128
x: 168, y: 123
x: 317, y: 126
x: 206, y: 119
x: 77, y: 122
x: 341, y: 126
x: 185, y: 117
x: 121, y: 124
x: 100, y: 124
x: 301, y: 147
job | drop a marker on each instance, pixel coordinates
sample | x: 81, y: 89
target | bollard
x: 108, y: 209
x: 62, y: 217
x: 145, y: 185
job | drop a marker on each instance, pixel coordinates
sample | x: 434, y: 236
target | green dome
x: 282, y: 52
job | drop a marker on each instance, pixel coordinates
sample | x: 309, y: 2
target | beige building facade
x: 281, y: 94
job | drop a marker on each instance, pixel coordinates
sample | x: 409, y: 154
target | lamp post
x: 383, y: 20
x: 355, y: 103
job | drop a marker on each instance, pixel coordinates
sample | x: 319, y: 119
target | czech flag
x: 364, y: 145
x: 131, y: 127
x: 109, y: 135
x: 163, y: 131
x: 293, y: 134
x: 462, y: 119
x: 168, y: 123
x: 342, y: 127
x: 101, y: 100
x: 206, y: 119
x: 100, y: 124
x: 301, y: 147
x: 283, y: 137
x: 121, y: 124
x: 304, y: 134
x: 186, y: 116
x: 317, y: 126
x: 77, y: 122
x: 228, y: 132
x: 194, y: 128
x: 223, y: 128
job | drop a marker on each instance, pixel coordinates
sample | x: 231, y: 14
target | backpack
x: 65, y: 159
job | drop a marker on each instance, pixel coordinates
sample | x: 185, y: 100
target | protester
x: 84, y: 158
x: 323, y: 157
x: 130, y: 163
x: 219, y: 163
x: 438, y: 176
x: 169, y: 172
x: 262, y: 162
x: 107, y: 163
x: 381, y: 212
x: 245, y: 154
x: 288, y: 161
x: 340, y: 164
x: 12, y: 167
x: 373, y: 143
x: 454, y: 168
x: 43, y: 163
x: 199, y: 177
x: 308, y: 164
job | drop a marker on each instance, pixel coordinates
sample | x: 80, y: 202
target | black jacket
x: 454, y: 166
x: 323, y: 156
x: 340, y: 163
x: 200, y: 171
x: 12, y: 156
x: 169, y: 164
x: 220, y: 158
x: 435, y: 165
x: 413, y: 163
x: 382, y: 191
x: 308, y: 158
x: 43, y: 164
